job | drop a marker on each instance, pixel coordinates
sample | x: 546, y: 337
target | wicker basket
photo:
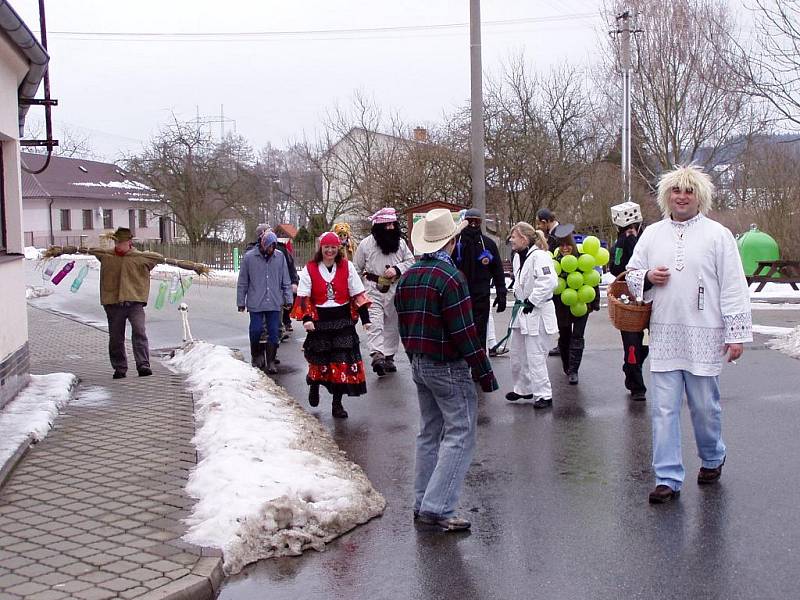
x: 626, y: 317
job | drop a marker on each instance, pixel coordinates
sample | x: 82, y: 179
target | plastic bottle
x: 162, y: 294
x: 63, y: 272
x: 50, y: 269
x: 76, y: 284
x: 174, y: 289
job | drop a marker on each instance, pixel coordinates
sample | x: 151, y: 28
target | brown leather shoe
x: 444, y: 523
x: 706, y: 476
x: 662, y: 494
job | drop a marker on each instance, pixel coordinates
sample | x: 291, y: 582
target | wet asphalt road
x: 558, y: 498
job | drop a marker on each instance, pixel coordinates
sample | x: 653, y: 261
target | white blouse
x: 354, y: 284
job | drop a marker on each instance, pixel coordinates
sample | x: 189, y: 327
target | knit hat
x: 384, y: 215
x: 329, y: 239
x: 473, y: 213
x: 269, y: 238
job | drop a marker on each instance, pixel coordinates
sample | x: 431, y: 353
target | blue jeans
x: 666, y: 396
x: 273, y: 320
x: 448, y: 414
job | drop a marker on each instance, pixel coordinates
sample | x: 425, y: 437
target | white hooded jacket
x: 535, y: 282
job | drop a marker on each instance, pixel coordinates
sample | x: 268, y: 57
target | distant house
x: 23, y: 63
x: 285, y: 230
x: 76, y: 200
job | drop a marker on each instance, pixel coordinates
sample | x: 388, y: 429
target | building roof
x: 79, y: 178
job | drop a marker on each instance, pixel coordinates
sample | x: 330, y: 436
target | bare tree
x: 202, y: 181
x: 769, y: 66
x: 540, y: 137
x: 72, y: 142
x: 684, y: 103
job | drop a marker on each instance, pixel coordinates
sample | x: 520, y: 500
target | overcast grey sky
x: 276, y: 86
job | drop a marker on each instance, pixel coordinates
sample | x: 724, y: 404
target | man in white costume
x: 382, y: 257
x: 534, y: 316
x: 689, y: 266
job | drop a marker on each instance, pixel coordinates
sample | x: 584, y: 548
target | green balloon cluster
x: 577, y: 275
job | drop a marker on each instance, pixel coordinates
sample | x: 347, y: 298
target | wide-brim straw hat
x: 434, y: 230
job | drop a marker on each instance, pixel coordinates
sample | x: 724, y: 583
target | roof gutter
x: 14, y: 27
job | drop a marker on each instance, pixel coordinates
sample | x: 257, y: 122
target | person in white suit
x: 534, y: 316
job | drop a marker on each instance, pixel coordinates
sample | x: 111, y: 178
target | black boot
x: 257, y: 355
x: 337, y: 410
x: 271, y: 350
x: 563, y: 352
x: 378, y: 364
x: 388, y: 364
x: 313, y: 395
x: 575, y: 356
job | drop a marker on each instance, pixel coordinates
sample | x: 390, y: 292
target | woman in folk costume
x: 345, y: 234
x: 534, y: 317
x: 570, y: 327
x: 330, y: 298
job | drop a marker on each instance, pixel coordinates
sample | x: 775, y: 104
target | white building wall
x: 14, y: 357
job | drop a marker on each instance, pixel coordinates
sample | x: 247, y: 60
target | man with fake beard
x: 477, y: 257
x: 383, y: 256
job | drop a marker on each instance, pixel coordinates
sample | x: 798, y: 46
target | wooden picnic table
x: 776, y: 271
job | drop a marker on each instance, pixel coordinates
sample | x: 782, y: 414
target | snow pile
x: 270, y: 481
x: 32, y: 253
x: 788, y: 343
x: 32, y: 412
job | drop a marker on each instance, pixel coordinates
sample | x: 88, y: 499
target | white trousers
x: 491, y: 334
x: 384, y: 336
x: 529, y: 363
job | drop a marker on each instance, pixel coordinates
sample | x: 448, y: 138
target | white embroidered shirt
x: 704, y: 305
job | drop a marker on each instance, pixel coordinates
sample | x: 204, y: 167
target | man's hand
x: 733, y: 351
x: 294, y: 288
x: 658, y: 276
x: 500, y: 303
x: 241, y: 309
x: 527, y: 307
x: 390, y: 273
x: 309, y: 326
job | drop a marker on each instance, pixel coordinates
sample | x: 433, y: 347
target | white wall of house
x: 36, y: 224
x: 14, y: 330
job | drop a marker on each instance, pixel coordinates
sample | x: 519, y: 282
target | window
x: 142, y: 217
x: 108, y: 218
x: 132, y: 220
x: 88, y: 219
x: 66, y: 224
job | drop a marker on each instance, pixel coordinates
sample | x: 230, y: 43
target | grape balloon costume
x: 576, y: 294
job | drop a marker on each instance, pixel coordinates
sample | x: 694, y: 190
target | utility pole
x: 625, y: 59
x: 476, y: 104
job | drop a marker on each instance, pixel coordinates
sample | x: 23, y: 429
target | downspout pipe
x: 13, y: 26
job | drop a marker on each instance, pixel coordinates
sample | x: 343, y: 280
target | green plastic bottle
x: 162, y: 295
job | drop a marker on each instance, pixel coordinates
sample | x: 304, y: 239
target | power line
x: 260, y: 35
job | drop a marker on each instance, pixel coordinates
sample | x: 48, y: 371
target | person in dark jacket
x: 477, y: 257
x: 546, y: 223
x: 295, y: 279
x: 570, y: 327
x: 629, y: 223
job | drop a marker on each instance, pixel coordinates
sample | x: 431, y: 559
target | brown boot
x: 663, y: 494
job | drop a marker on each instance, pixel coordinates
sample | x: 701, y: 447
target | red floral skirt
x: 333, y: 353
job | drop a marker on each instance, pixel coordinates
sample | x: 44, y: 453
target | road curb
x: 203, y: 583
x: 8, y: 467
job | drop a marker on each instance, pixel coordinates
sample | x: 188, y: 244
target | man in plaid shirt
x: 439, y: 335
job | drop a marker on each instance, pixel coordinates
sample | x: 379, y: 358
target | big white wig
x: 686, y: 178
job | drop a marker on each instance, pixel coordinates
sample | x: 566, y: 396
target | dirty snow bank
x: 270, y: 481
x: 32, y: 412
x: 788, y: 343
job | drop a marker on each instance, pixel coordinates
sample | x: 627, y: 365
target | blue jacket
x: 264, y: 284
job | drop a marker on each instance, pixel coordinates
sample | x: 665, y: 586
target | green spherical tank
x: 755, y: 245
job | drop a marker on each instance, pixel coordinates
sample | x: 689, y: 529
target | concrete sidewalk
x: 94, y: 511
